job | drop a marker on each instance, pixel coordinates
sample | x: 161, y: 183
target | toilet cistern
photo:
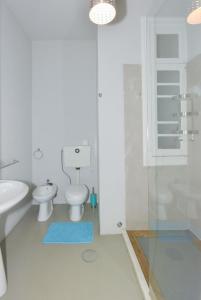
x: 76, y: 195
x: 76, y: 157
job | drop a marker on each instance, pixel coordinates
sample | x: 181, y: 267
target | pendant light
x: 195, y: 15
x: 102, y: 12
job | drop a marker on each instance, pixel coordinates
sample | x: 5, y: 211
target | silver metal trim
x: 188, y: 132
x: 183, y: 97
x: 186, y: 114
x: 8, y: 164
x: 95, y: 2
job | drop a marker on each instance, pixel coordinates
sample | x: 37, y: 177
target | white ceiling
x: 68, y: 19
x: 54, y: 19
x: 175, y: 8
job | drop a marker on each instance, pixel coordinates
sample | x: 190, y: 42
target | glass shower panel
x: 173, y: 246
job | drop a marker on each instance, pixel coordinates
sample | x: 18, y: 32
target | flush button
x: 77, y: 150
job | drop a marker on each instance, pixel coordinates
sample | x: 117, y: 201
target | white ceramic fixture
x: 11, y: 193
x: 77, y: 156
x: 102, y: 12
x: 76, y: 194
x: 194, y: 17
x: 44, y: 196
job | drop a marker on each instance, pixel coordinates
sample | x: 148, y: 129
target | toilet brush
x: 93, y: 199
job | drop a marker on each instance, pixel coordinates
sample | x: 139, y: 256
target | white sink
x: 11, y: 193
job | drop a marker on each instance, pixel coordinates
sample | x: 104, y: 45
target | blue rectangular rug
x: 69, y: 233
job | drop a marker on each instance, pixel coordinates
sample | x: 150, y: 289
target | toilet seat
x: 76, y: 194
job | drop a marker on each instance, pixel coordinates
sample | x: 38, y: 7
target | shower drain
x: 89, y: 256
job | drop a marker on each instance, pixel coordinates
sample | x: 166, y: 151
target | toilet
x: 44, y: 195
x: 77, y: 194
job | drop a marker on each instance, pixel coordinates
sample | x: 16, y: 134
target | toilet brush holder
x: 93, y: 199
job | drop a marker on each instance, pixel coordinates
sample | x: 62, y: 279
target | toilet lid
x: 76, y: 191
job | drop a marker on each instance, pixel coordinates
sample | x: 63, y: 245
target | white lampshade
x: 102, y: 11
x: 195, y: 15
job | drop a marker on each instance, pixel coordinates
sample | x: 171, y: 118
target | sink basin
x: 11, y: 193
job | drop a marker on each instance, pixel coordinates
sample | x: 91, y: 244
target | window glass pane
x: 168, y: 76
x: 168, y: 90
x: 171, y: 142
x: 167, y: 46
x: 168, y: 128
x: 168, y: 110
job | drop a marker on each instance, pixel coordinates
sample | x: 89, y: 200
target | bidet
x: 44, y: 195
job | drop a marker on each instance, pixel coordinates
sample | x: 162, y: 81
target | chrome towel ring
x: 38, y: 154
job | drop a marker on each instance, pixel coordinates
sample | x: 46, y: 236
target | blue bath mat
x: 69, y: 233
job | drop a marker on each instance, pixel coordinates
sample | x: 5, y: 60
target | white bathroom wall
x: 15, y: 134
x: 64, y: 107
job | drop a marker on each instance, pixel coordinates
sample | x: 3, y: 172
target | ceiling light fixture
x: 195, y: 15
x: 102, y: 12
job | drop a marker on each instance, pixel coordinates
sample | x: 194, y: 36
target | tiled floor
x: 57, y: 272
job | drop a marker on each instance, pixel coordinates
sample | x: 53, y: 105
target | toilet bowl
x: 44, y: 196
x: 76, y: 196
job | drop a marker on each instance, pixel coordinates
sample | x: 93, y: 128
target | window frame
x: 150, y: 65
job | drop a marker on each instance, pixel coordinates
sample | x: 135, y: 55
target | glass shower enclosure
x: 173, y: 157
